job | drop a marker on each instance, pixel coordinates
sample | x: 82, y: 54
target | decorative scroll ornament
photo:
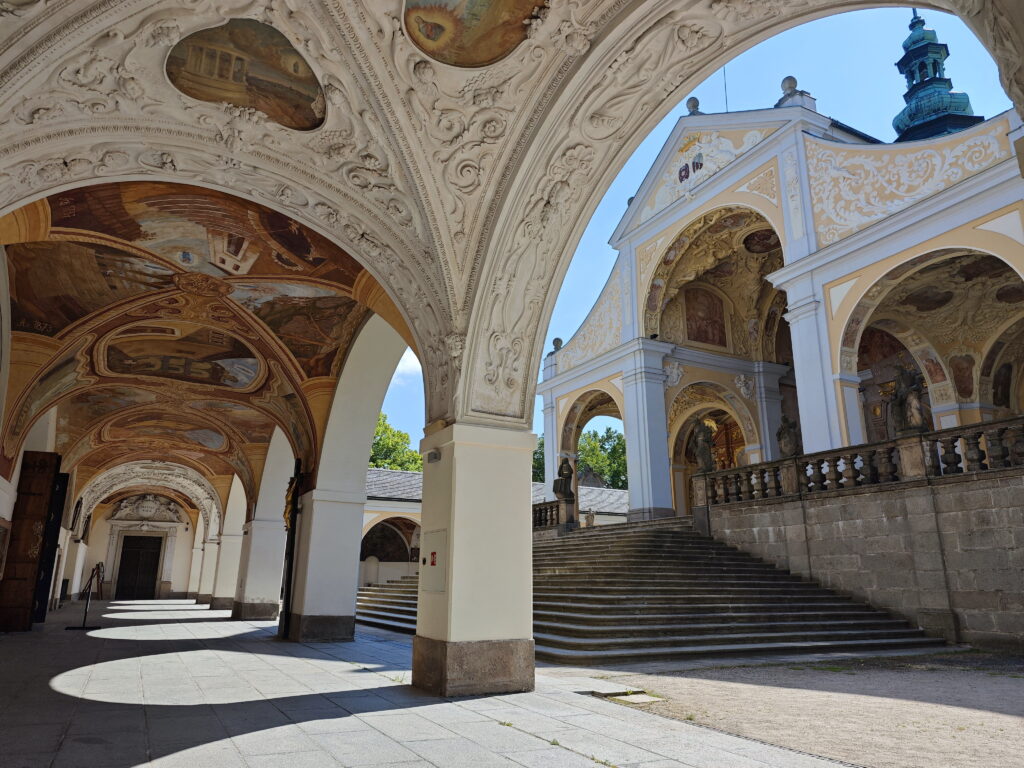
x: 674, y: 371
x: 851, y: 188
x: 148, y: 508
x: 601, y: 331
x: 745, y: 385
x: 765, y: 185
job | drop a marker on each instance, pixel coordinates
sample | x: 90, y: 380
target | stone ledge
x: 254, y: 611
x: 472, y: 668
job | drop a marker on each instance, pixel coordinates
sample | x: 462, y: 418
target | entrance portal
x: 136, y: 575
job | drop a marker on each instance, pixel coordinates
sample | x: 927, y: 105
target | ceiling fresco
x: 176, y: 323
x: 468, y: 33
x: 250, y: 65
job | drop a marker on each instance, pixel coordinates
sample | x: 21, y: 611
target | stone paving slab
x: 169, y: 684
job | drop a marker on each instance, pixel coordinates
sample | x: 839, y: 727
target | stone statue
x: 702, y: 438
x: 563, y: 483
x: 790, y: 440
x: 907, y: 406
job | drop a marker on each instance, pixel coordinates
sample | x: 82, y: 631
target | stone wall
x: 944, y: 552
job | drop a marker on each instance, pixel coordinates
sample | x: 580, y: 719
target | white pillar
x: 551, y: 441
x: 77, y: 573
x: 207, y: 571
x: 230, y: 548
x: 819, y: 416
x: 196, y: 564
x: 853, y: 405
x: 646, y: 426
x: 326, y: 570
x: 474, y: 629
x: 769, y: 406
x: 258, y: 592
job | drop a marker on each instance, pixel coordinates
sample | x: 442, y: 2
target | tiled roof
x: 397, y: 485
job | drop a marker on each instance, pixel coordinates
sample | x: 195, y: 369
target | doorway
x: 137, y: 571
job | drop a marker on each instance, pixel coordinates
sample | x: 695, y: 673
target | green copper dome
x: 932, y: 108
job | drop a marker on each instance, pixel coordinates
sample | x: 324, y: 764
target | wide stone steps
x: 659, y: 590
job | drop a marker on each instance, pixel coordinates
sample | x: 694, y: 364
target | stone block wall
x: 946, y: 553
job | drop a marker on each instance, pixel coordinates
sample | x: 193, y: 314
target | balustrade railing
x: 547, y: 514
x: 971, y: 448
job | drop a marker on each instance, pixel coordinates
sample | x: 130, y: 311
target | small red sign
x: 433, y: 558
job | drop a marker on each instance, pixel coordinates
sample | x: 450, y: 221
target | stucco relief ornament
x: 673, y: 373
x: 199, y: 284
x: 745, y: 385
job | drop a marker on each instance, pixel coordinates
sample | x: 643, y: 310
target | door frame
x: 121, y: 533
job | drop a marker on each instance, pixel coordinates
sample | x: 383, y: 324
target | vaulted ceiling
x: 174, y: 322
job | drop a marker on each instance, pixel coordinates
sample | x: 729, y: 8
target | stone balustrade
x: 973, y: 448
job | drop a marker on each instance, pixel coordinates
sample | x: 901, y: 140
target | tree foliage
x: 391, y: 449
x: 538, y: 461
x: 605, y: 454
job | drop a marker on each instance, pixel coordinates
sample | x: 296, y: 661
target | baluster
x: 746, y: 486
x: 850, y: 473
x: 774, y: 482
x: 974, y: 455
x: 869, y: 468
x: 949, y: 457
x: 832, y: 474
x: 736, y: 490
x: 998, y: 456
x: 886, y: 465
x: 817, y: 476
x: 720, y: 494
x: 1015, y: 444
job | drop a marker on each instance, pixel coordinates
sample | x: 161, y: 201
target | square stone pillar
x: 228, y: 556
x: 207, y: 572
x: 326, y: 567
x: 646, y: 430
x: 258, y: 592
x: 819, y: 413
x: 474, y: 629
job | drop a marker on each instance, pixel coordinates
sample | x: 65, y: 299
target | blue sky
x: 844, y: 61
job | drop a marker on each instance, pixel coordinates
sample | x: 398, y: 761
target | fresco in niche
x: 705, y: 317
x: 312, y: 321
x: 762, y: 241
x: 53, y: 284
x: 62, y: 376
x: 249, y: 64
x: 1001, y: 384
x: 468, y: 33
x: 962, y: 368
x: 194, y: 354
x: 250, y: 423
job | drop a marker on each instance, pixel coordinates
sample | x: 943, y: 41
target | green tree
x: 605, y: 455
x: 538, y: 461
x: 391, y: 448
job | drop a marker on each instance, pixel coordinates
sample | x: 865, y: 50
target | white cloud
x: 408, y: 366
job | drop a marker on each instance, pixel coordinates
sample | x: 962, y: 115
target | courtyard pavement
x: 170, y: 683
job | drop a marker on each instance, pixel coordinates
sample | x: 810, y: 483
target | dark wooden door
x: 136, y: 575
x: 28, y: 542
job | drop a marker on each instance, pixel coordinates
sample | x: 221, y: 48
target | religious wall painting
x: 468, y: 33
x: 189, y: 353
x: 173, y: 427
x: 54, y: 284
x: 762, y: 241
x: 705, y: 317
x: 1001, y: 386
x: 962, y: 368
x: 84, y: 409
x: 249, y: 64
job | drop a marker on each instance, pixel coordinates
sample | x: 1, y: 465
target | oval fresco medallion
x: 249, y: 64
x: 468, y: 33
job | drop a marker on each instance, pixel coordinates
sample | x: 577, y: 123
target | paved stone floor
x: 170, y: 683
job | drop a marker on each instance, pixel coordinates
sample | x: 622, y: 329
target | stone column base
x: 321, y: 629
x: 254, y: 611
x: 649, y: 513
x: 204, y: 599
x: 472, y: 668
x: 221, y: 603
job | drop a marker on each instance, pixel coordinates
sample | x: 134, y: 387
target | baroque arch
x: 586, y: 406
x: 700, y: 397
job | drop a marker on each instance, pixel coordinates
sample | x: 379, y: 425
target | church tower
x: 933, y: 107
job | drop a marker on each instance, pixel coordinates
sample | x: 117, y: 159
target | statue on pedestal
x: 907, y: 406
x: 563, y: 483
x: 702, y: 439
x: 790, y: 440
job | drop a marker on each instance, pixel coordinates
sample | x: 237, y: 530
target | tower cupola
x: 933, y: 107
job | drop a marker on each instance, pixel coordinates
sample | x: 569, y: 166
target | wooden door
x: 29, y: 542
x: 137, y: 571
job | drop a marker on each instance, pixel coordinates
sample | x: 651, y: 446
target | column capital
x: 798, y: 312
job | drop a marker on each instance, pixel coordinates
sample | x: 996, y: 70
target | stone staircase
x: 659, y: 590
